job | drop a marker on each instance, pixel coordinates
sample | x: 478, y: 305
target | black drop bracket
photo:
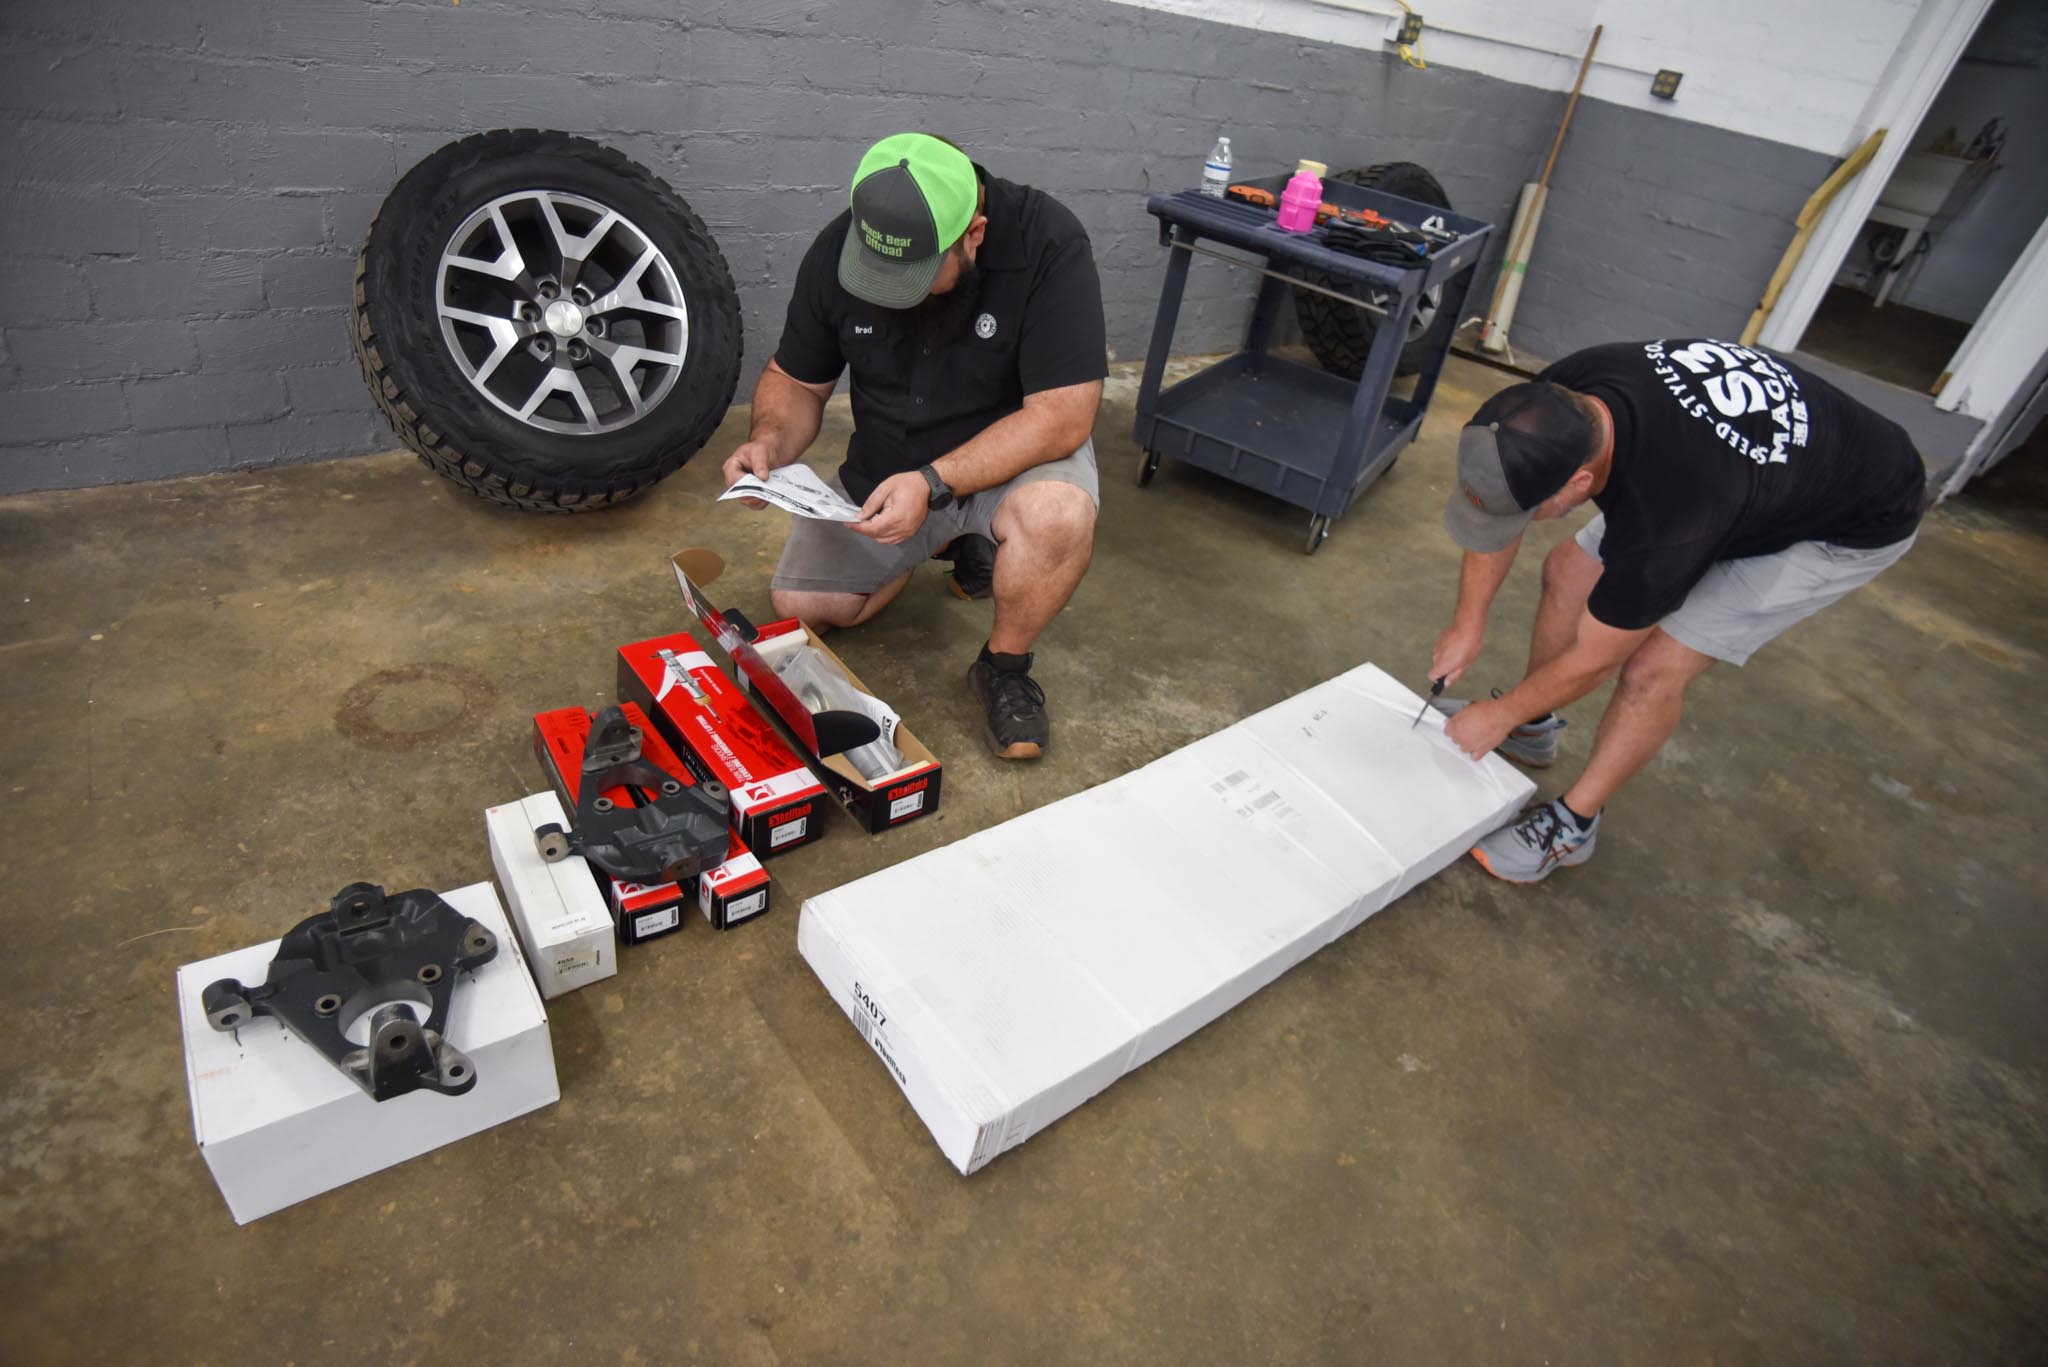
x: 677, y: 832
x: 385, y: 958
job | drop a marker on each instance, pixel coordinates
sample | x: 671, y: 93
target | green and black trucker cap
x: 913, y: 198
x: 1521, y: 447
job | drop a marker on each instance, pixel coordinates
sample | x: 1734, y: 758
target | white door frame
x: 1999, y: 356
x: 1929, y: 51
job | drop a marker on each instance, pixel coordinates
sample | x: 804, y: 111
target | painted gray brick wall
x: 187, y: 182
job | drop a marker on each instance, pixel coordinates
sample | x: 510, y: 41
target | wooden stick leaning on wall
x: 1809, y: 219
x: 1518, y: 250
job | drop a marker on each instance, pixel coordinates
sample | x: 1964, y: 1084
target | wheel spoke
x: 622, y: 357
x: 575, y: 248
x: 510, y: 265
x: 561, y: 378
x: 628, y: 295
x: 505, y: 335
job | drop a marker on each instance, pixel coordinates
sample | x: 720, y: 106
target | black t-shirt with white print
x: 1037, y: 324
x: 1722, y: 452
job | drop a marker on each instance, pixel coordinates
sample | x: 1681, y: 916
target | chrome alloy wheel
x: 562, y: 312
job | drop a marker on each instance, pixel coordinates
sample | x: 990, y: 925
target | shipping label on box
x: 718, y: 733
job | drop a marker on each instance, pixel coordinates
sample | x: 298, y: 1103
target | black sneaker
x: 1013, y: 703
x: 974, y: 565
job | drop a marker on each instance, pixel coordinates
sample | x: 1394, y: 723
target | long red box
x: 702, y: 712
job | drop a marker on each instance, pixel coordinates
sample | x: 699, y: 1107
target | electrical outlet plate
x: 1411, y: 30
x: 1665, y: 84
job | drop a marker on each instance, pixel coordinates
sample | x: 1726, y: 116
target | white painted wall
x: 1793, y: 71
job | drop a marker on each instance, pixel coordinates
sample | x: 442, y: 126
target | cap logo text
x: 881, y: 243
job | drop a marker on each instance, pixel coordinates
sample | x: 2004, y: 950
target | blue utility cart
x: 1290, y: 430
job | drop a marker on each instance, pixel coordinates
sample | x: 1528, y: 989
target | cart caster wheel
x: 1147, y: 468
x: 1318, y: 533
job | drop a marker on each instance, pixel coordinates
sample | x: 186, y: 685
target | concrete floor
x: 1907, y: 347
x: 1765, y: 1081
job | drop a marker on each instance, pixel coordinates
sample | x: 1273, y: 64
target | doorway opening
x: 1954, y: 216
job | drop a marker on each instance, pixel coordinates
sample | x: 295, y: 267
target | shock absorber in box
x: 701, y: 712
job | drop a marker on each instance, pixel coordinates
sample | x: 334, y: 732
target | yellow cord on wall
x: 1411, y: 53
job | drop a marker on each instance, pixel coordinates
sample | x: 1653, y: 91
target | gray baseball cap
x: 1520, y: 448
x: 913, y: 197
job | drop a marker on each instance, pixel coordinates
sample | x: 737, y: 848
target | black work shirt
x: 1036, y: 325
x: 1722, y: 452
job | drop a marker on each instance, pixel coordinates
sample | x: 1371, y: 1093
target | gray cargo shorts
x: 828, y: 557
x: 1741, y: 604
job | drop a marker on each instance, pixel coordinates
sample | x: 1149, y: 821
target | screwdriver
x: 1436, y: 688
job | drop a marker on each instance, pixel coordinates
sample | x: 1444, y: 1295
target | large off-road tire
x: 1341, y: 334
x: 544, y: 321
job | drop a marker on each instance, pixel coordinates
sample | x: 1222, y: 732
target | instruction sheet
x: 796, y: 489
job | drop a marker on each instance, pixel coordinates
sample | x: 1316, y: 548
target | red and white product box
x: 760, y: 653
x: 700, y: 711
x: 734, y: 891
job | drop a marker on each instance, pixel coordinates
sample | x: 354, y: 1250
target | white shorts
x: 1740, y: 604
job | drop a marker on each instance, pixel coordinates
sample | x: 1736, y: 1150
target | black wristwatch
x: 942, y: 497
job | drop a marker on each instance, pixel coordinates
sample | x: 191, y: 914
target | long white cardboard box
x: 1008, y: 977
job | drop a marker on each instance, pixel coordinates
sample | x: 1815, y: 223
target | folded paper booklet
x: 796, y: 489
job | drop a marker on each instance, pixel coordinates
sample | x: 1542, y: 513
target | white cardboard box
x: 278, y: 1123
x: 563, y: 923
x: 1008, y: 977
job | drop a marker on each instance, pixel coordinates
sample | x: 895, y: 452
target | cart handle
x: 1293, y: 280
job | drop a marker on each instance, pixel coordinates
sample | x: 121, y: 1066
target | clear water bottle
x: 1216, y: 171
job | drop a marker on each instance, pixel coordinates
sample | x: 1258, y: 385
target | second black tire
x: 1341, y: 334
x: 545, y: 322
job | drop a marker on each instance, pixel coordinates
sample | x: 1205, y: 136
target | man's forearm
x: 1479, y: 579
x: 1563, y: 681
x: 786, y: 416
x: 1596, y: 652
x: 1033, y: 435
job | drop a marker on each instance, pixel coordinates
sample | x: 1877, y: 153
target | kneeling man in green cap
x: 968, y: 311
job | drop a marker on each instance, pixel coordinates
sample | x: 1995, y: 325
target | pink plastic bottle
x: 1302, y: 197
